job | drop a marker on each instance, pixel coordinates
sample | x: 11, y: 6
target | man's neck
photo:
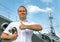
x: 23, y: 20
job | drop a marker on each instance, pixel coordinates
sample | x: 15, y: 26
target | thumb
x: 22, y: 23
x: 15, y: 33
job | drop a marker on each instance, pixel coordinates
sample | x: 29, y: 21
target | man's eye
x: 20, y: 11
x: 23, y: 10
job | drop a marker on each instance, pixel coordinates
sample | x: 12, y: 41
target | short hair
x: 23, y: 7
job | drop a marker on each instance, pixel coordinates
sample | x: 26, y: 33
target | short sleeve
x: 9, y: 27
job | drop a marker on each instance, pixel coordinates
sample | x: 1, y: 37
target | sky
x: 37, y: 10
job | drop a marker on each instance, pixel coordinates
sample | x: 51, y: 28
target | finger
x: 15, y: 32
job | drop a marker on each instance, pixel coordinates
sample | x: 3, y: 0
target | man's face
x: 22, y: 12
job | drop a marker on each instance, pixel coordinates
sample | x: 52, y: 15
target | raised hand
x: 22, y: 26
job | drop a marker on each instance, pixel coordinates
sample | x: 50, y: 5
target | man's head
x: 22, y: 12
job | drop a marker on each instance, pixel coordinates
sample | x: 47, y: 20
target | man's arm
x: 5, y: 36
x: 32, y: 27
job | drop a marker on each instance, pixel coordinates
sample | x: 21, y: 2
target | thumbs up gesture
x: 22, y: 26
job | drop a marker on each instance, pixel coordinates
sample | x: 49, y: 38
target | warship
x: 50, y: 36
x: 37, y: 37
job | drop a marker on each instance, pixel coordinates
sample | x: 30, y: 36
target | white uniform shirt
x: 23, y: 35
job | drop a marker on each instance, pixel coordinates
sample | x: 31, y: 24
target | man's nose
x: 22, y: 12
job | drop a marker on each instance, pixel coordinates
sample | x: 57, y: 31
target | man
x: 24, y: 28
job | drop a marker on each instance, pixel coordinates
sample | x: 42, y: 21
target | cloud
x: 27, y: 1
x: 34, y: 9
x: 48, y: 1
x: 49, y: 9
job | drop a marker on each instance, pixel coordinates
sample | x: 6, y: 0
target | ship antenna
x: 51, y: 23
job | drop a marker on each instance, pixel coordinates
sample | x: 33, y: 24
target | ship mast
x: 51, y: 23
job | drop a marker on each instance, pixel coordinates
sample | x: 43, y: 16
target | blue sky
x: 38, y: 11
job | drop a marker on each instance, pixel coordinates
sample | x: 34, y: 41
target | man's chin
x: 22, y: 17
